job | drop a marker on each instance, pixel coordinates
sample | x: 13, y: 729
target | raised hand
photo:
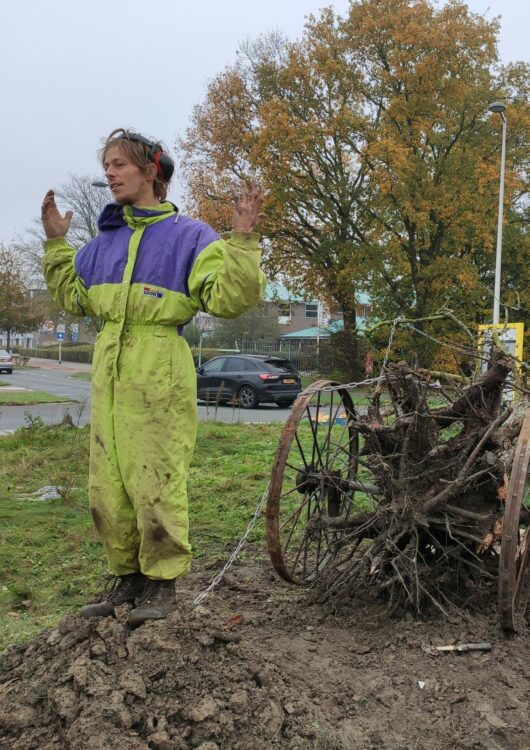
x: 247, y: 215
x: 54, y: 224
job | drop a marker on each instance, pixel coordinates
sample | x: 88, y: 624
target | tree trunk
x: 350, y: 344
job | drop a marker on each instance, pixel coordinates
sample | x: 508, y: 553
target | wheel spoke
x: 302, y: 455
x: 288, y: 541
x: 295, y: 515
x: 314, y: 430
x: 290, y: 492
x: 295, y: 468
x: 303, y: 546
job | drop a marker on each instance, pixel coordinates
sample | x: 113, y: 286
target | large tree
x: 19, y: 311
x: 373, y: 138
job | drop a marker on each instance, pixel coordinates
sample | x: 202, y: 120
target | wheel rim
x: 246, y: 396
x: 514, y: 575
x: 316, y: 458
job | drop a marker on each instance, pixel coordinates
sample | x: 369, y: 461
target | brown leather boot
x: 123, y: 589
x: 155, y: 603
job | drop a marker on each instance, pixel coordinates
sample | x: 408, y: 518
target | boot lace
x: 117, y: 586
x: 152, y: 588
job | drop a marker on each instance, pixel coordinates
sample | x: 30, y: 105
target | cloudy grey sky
x: 73, y: 71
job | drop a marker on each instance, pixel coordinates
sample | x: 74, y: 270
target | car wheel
x: 9, y: 372
x: 248, y: 398
x: 285, y: 402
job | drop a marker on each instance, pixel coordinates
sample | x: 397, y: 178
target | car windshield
x: 4, y: 353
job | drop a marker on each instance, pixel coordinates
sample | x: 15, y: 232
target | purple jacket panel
x: 165, y: 255
x: 103, y: 259
x: 168, y: 250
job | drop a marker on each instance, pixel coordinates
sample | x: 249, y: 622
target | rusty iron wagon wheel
x: 514, y: 574
x: 314, y: 476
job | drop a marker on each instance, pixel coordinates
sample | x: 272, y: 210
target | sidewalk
x: 53, y: 364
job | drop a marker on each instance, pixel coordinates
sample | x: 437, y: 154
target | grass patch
x: 82, y: 375
x: 229, y: 473
x: 51, y: 559
x: 3, y: 382
x: 17, y: 398
x: 49, y: 551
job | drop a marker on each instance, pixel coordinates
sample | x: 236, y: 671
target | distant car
x: 7, y: 361
x: 249, y: 380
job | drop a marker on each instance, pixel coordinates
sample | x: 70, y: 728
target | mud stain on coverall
x: 97, y: 518
x: 100, y: 442
x: 158, y: 533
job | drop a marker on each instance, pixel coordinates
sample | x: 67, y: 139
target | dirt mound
x: 258, y: 668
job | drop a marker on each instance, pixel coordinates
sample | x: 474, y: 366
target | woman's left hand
x: 247, y: 214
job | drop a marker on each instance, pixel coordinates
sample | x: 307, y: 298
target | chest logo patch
x: 152, y: 292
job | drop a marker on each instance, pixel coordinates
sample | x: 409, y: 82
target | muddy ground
x: 255, y: 667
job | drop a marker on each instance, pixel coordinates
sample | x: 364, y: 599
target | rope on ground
x: 233, y: 557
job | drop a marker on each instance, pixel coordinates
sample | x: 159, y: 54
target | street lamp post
x: 499, y: 108
x: 318, y: 330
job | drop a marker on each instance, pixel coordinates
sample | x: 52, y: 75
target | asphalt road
x: 57, y: 379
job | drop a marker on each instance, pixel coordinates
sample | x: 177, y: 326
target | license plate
x: 289, y: 381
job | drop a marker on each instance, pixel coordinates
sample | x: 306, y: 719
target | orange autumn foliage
x: 372, y: 135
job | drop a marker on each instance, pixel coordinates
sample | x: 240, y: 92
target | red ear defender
x: 159, y: 170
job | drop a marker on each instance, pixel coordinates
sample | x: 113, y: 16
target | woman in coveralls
x: 147, y: 274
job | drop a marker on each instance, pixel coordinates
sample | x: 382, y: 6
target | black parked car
x: 248, y: 380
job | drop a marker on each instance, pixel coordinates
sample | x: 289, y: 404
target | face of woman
x: 129, y: 185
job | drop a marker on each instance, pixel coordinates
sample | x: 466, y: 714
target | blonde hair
x: 138, y: 152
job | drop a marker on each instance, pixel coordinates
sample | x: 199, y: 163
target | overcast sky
x: 72, y: 71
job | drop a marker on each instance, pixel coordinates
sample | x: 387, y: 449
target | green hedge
x: 80, y: 353
x: 84, y: 353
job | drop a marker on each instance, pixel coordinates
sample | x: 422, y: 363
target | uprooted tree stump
x: 408, y: 501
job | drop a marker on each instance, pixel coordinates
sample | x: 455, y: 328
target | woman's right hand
x: 54, y: 224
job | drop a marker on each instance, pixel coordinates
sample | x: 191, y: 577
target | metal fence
x: 309, y: 357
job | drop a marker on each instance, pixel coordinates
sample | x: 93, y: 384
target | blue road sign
x: 60, y: 337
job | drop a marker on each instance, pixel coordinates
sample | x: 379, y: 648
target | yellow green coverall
x: 146, y: 274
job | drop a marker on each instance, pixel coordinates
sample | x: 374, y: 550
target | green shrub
x: 76, y: 353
